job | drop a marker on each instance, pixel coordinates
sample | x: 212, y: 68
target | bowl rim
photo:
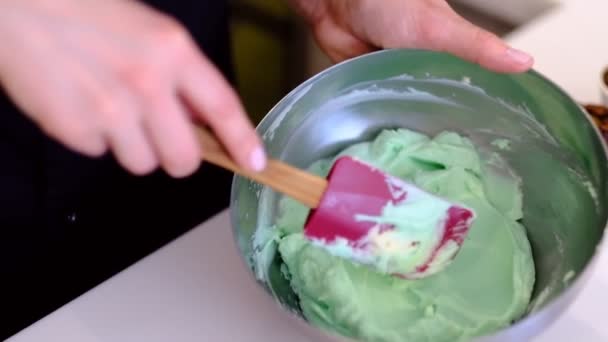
x: 565, y: 298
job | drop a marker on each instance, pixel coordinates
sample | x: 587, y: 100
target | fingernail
x: 258, y: 159
x: 518, y: 56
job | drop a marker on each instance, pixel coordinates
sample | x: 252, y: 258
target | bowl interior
x: 553, y: 147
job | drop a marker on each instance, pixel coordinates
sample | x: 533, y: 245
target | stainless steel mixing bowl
x: 555, y: 148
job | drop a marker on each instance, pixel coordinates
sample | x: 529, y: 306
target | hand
x: 347, y: 28
x: 117, y: 75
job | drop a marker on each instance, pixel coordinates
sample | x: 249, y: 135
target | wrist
x: 310, y: 10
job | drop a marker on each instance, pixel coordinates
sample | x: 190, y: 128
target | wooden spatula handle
x: 302, y: 186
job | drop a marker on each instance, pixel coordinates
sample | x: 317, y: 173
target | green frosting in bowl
x: 487, y: 286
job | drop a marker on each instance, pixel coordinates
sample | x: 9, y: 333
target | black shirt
x: 68, y: 222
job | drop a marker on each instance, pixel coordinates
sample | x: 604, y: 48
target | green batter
x: 488, y: 285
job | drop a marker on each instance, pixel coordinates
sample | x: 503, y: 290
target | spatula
x: 363, y: 214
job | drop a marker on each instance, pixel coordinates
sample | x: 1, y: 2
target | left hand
x: 348, y: 28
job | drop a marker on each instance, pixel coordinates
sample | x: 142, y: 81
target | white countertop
x: 196, y: 287
x: 570, y: 45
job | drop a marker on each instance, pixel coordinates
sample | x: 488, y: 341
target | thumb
x: 472, y: 43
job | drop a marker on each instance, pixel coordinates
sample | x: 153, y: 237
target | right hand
x: 118, y: 75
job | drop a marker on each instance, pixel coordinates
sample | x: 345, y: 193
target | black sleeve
x: 68, y: 222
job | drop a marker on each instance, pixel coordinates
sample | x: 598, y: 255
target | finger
x: 212, y: 99
x: 72, y: 132
x: 461, y: 38
x: 58, y: 112
x: 328, y: 33
x: 172, y: 135
x: 131, y: 146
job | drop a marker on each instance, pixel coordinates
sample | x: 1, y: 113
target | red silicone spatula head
x: 373, y: 218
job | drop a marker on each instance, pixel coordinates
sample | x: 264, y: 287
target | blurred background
x: 273, y: 51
